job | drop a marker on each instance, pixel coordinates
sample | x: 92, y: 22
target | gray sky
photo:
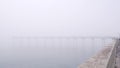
x: 59, y: 17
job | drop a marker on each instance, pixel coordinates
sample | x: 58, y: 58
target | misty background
x: 59, y: 18
x: 24, y: 22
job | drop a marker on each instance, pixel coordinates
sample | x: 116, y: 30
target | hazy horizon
x: 59, y: 18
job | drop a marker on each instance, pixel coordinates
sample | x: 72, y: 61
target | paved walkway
x: 118, y: 57
x: 100, y: 60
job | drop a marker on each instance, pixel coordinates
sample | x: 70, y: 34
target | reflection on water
x: 48, y: 53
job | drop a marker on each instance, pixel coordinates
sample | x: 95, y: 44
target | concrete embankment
x: 100, y: 60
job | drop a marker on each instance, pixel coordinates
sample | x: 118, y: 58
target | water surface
x: 48, y: 53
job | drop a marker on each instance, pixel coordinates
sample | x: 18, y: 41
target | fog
x: 29, y: 19
x: 59, y: 18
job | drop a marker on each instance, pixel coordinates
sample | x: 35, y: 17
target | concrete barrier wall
x: 112, y: 58
x: 104, y: 59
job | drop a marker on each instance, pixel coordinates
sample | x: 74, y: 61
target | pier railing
x: 113, y: 56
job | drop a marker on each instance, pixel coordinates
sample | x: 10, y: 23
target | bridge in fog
x: 107, y: 58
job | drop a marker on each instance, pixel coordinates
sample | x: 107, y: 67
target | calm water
x: 48, y: 53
